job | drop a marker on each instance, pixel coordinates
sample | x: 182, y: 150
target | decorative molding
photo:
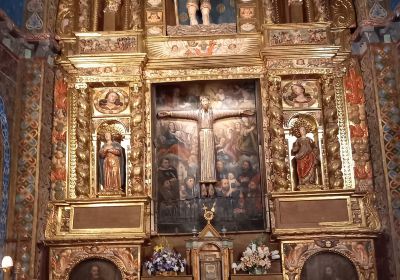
x: 343, y: 13
x: 229, y: 46
x: 331, y: 120
x: 200, y: 29
x: 126, y: 258
x: 279, y: 167
x: 359, y: 251
x: 5, y: 172
x: 355, y: 101
x: 58, y: 173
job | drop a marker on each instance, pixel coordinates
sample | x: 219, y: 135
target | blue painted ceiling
x: 14, y: 9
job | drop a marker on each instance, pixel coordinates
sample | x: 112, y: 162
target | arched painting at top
x: 328, y: 266
x: 207, y: 143
x: 95, y: 269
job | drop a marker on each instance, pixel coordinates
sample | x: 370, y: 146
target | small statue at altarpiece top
x: 205, y: 117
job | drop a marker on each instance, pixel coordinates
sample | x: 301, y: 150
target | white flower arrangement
x: 256, y: 257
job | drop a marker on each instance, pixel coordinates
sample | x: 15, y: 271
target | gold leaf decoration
x: 343, y: 13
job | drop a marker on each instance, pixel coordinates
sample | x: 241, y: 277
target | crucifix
x: 205, y: 117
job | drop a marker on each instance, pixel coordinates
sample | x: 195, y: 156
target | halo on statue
x: 302, y: 122
x: 115, y: 129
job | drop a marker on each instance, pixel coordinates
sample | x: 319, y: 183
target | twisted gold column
x: 95, y: 15
x: 125, y: 25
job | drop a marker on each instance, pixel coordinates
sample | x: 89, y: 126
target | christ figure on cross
x: 205, y: 118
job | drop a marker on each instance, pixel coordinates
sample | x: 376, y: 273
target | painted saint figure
x: 205, y: 117
x: 305, y: 153
x: 111, y: 165
x: 95, y: 273
x: 298, y: 97
x: 111, y: 101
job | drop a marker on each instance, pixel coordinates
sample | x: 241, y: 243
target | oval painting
x: 111, y: 100
x: 95, y: 269
x: 328, y: 266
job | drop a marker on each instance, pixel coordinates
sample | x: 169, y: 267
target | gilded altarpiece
x: 131, y: 157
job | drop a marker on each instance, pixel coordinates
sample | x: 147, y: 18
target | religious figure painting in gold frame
x: 207, y: 154
x: 300, y: 94
x: 328, y: 266
x: 110, y: 101
x: 95, y: 269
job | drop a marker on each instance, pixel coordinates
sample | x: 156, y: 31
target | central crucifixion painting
x: 207, y: 154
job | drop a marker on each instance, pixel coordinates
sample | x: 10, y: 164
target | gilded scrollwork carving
x: 72, y: 144
x: 355, y: 101
x: 63, y: 260
x: 332, y: 144
x: 82, y: 142
x: 51, y: 223
x: 65, y: 218
x: 59, y: 137
x: 136, y: 13
x: 279, y: 166
x: 342, y: 13
x: 112, y: 6
x: 84, y: 15
x: 65, y: 17
x: 345, y: 146
x: 266, y: 123
x: 149, y: 143
x: 356, y: 211
x: 138, y: 140
x: 371, y: 214
x: 268, y: 12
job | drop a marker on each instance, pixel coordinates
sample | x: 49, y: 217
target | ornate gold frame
x: 65, y: 258
x: 187, y: 74
x: 61, y: 220
x: 296, y: 253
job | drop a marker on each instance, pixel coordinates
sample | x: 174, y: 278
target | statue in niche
x: 205, y: 116
x: 111, y: 158
x: 205, y: 12
x: 192, y: 8
x: 305, y: 153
